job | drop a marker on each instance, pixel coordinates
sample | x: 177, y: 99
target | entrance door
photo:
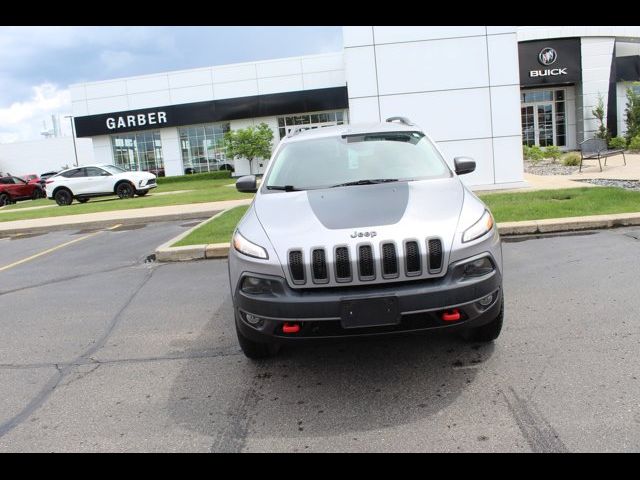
x: 538, y: 124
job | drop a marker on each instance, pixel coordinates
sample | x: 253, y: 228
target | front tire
x: 37, y: 194
x: 489, y: 331
x: 63, y: 197
x: 4, y: 199
x: 125, y: 190
x: 256, y: 350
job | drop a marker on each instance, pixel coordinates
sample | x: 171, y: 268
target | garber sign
x: 561, y: 57
x: 137, y: 120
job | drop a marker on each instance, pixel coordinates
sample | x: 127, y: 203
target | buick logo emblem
x: 547, y: 56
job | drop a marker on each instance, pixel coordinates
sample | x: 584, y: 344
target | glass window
x: 324, y: 162
x: 139, y: 151
x: 314, y: 120
x: 96, y: 172
x: 202, y: 148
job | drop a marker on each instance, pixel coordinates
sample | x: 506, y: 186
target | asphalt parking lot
x: 103, y: 349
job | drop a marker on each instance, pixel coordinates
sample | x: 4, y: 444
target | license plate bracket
x: 369, y: 312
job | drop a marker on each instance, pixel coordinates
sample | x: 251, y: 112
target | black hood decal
x: 361, y: 205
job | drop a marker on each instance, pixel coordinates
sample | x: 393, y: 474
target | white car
x: 88, y: 181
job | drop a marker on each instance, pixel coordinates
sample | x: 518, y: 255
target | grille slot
x: 343, y: 265
x: 296, y: 267
x: 389, y: 261
x: 365, y: 262
x: 319, y: 266
x: 412, y: 258
x: 435, y: 255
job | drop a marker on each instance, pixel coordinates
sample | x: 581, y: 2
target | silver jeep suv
x: 363, y: 230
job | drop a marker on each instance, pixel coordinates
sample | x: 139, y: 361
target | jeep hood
x: 329, y: 217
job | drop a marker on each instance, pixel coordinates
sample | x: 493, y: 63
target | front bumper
x: 317, y: 311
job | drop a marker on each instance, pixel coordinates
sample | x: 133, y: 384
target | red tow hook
x: 451, y: 315
x: 290, y: 328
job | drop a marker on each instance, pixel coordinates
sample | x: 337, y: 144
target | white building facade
x: 479, y: 91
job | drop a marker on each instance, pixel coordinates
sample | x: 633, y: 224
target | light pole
x: 73, y: 134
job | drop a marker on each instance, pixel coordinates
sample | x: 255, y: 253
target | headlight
x: 479, y: 228
x: 244, y: 246
x: 258, y: 286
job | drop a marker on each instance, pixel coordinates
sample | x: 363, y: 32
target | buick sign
x: 547, y: 56
x: 549, y: 62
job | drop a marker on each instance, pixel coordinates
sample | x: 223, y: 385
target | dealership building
x: 478, y: 91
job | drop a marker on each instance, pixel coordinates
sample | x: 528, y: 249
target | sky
x: 39, y: 63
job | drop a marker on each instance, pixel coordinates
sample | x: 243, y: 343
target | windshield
x: 112, y: 169
x: 355, y: 160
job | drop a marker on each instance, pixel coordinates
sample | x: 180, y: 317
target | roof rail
x: 404, y: 120
x: 301, y: 128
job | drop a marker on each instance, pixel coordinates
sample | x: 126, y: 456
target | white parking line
x: 53, y: 249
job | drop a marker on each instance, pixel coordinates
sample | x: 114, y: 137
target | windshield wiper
x: 286, y: 188
x: 370, y: 181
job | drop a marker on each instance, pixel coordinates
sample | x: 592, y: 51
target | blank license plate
x: 369, y: 312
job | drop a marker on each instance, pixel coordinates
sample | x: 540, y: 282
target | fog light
x: 486, y: 301
x: 479, y: 267
x: 253, y: 320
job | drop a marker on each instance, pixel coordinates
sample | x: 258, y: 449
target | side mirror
x: 464, y: 165
x: 247, y: 184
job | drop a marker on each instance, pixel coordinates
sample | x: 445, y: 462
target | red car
x: 31, y: 178
x: 13, y: 189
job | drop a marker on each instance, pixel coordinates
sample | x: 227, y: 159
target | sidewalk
x: 125, y: 217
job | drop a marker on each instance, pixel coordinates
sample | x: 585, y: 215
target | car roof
x: 351, y: 129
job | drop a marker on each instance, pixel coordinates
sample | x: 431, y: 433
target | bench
x: 596, y: 148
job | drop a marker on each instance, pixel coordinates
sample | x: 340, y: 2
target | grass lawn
x: 210, y: 190
x: 506, y: 207
x: 216, y: 231
x: 568, y: 202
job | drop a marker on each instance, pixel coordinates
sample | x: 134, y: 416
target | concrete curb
x: 165, y: 253
x: 569, y: 224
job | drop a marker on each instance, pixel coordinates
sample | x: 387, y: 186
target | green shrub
x: 194, y: 177
x: 552, y: 152
x: 618, y: 142
x: 525, y: 151
x: 634, y: 144
x: 571, y: 159
x: 535, y: 154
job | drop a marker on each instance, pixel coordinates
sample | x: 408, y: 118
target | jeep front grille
x: 435, y: 255
x: 413, y: 265
x: 389, y: 261
x: 367, y: 262
x: 343, y: 265
x: 296, y: 267
x: 319, y: 266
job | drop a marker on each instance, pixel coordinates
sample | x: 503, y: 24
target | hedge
x: 195, y: 177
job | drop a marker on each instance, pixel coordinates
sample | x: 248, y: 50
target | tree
x: 598, y: 112
x: 250, y: 143
x: 632, y: 114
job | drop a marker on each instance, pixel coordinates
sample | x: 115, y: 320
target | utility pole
x: 73, y: 134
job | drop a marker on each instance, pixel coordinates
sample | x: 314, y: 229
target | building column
x: 171, y: 154
x: 597, y: 54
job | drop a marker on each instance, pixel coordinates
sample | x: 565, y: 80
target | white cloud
x: 23, y: 120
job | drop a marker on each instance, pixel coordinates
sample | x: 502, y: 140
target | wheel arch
x: 120, y: 182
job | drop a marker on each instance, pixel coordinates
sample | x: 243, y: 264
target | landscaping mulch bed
x: 547, y: 167
x: 609, y: 182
